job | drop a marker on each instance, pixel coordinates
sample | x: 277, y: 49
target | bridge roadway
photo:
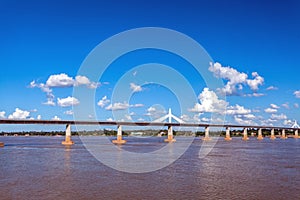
x: 170, y: 138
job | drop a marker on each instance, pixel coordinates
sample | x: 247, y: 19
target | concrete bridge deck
x: 119, y: 124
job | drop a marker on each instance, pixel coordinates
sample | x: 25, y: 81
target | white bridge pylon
x: 295, y: 125
x: 169, y: 116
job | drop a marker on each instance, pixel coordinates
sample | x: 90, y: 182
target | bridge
x: 169, y: 124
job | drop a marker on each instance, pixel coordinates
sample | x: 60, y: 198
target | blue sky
x: 47, y: 41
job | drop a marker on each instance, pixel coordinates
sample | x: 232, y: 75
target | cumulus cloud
x: 255, y: 94
x: 69, y: 112
x: 155, y: 112
x: 209, y: 102
x: 122, y: 106
x: 288, y: 122
x: 117, y: 106
x: 297, y: 94
x: 194, y: 118
x: 274, y: 106
x: 39, y: 117
x: 19, y: 114
x: 56, y: 118
x: 278, y: 117
x: 245, y: 119
x: 286, y: 105
x: 109, y: 119
x: 128, y: 117
x: 237, y: 110
x: 235, y: 79
x: 2, y: 114
x: 270, y: 110
x: 272, y: 88
x: 103, y: 102
x: 135, y: 88
x: 296, y: 105
x: 254, y: 83
x: 60, y: 81
x: 66, y: 102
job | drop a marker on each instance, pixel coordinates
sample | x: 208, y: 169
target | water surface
x: 42, y: 168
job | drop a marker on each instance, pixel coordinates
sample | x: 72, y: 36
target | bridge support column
x: 227, y: 136
x: 245, y: 135
x: 206, y: 137
x: 68, y: 140
x: 119, y: 139
x: 296, y: 134
x: 170, y: 135
x: 272, y: 134
x: 260, y: 137
x: 1, y: 144
x: 283, y: 135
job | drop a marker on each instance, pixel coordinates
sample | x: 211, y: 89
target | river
x: 39, y: 167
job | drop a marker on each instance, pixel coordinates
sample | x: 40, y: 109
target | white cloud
x: 272, y: 88
x: 237, y: 110
x: 39, y: 117
x: 274, y: 106
x: 155, y: 112
x: 235, y: 79
x: 109, y: 119
x: 137, y: 105
x: 278, y: 117
x: 69, y: 101
x: 82, y: 80
x: 55, y: 118
x: 122, y: 106
x: 135, y: 88
x: 245, y: 119
x: 195, y: 118
x: 19, y: 114
x: 288, y: 122
x: 296, y: 105
x: 255, y: 94
x: 117, y: 106
x: 286, y: 105
x: 128, y: 117
x: 103, y: 102
x: 297, y: 94
x: 254, y: 83
x: 69, y: 112
x: 2, y: 114
x: 204, y: 119
x: 270, y: 110
x: 50, y: 102
x: 60, y: 80
x: 209, y: 102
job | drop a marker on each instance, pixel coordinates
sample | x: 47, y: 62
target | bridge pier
x: 260, y: 136
x: 206, y: 136
x: 1, y: 144
x: 296, y: 134
x: 227, y: 136
x: 272, y: 137
x: 283, y: 135
x: 170, y: 135
x: 245, y: 135
x: 68, y: 140
x: 119, y: 139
